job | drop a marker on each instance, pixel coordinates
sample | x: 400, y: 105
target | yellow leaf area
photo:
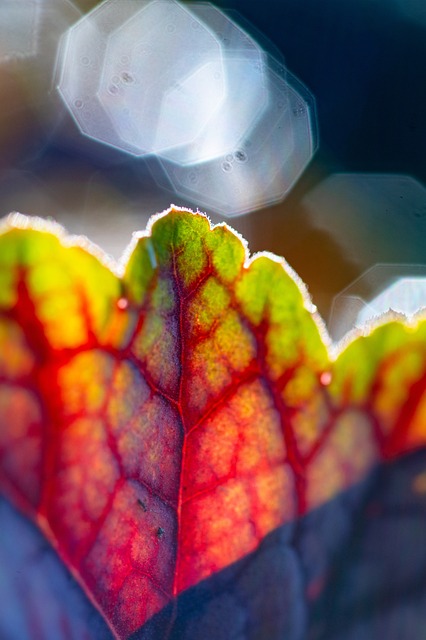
x: 159, y: 418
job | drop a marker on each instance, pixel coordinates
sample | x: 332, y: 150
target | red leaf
x: 157, y: 426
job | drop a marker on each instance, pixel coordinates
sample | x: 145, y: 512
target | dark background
x: 363, y: 60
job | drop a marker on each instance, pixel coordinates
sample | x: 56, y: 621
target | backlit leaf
x: 162, y: 420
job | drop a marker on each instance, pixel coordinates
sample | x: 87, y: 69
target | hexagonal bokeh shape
x: 126, y: 67
x: 147, y: 61
x: 384, y: 288
x: 131, y: 81
x: 354, y: 209
x: 245, y: 68
x: 81, y: 59
x: 406, y: 295
x: 267, y: 162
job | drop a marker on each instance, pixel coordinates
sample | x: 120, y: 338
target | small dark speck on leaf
x: 160, y: 532
x: 142, y: 504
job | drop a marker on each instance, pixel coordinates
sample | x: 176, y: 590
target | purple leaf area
x: 40, y: 600
x: 377, y: 587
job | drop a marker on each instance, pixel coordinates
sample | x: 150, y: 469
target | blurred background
x: 321, y: 103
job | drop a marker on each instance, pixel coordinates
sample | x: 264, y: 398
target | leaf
x: 39, y: 597
x: 377, y: 585
x: 162, y: 420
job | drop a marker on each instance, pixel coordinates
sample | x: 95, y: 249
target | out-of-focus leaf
x: 376, y: 583
x: 40, y: 599
x: 173, y: 424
